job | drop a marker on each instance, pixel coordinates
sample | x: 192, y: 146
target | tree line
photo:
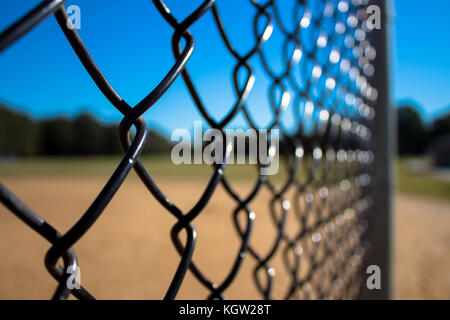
x: 414, y: 136
x: 22, y: 136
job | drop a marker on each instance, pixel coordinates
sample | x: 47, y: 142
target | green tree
x: 156, y: 143
x: 412, y: 135
x: 57, y: 137
x: 111, y: 140
x: 89, y: 136
x: 441, y: 127
x: 19, y: 135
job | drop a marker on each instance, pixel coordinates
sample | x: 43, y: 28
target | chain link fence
x: 328, y: 75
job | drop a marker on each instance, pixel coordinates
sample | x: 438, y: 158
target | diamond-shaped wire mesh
x: 327, y: 77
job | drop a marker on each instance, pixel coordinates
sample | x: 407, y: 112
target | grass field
x: 424, y: 184
x: 128, y: 252
x: 161, y: 167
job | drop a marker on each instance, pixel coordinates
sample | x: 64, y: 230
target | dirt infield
x: 128, y: 253
x: 422, y: 248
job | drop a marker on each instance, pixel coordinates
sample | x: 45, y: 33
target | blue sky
x: 420, y: 55
x: 41, y: 75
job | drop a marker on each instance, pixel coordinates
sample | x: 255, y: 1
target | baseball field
x: 128, y: 253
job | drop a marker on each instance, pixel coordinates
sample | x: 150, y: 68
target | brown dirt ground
x: 421, y: 248
x: 128, y: 254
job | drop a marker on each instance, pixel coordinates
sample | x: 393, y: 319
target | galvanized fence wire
x: 327, y: 76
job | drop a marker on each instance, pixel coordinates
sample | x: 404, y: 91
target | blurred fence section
x: 336, y: 189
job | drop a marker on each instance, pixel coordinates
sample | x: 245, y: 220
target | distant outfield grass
x: 419, y: 183
x: 157, y: 166
x: 160, y: 166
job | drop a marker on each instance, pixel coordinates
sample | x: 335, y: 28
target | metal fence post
x: 384, y: 135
